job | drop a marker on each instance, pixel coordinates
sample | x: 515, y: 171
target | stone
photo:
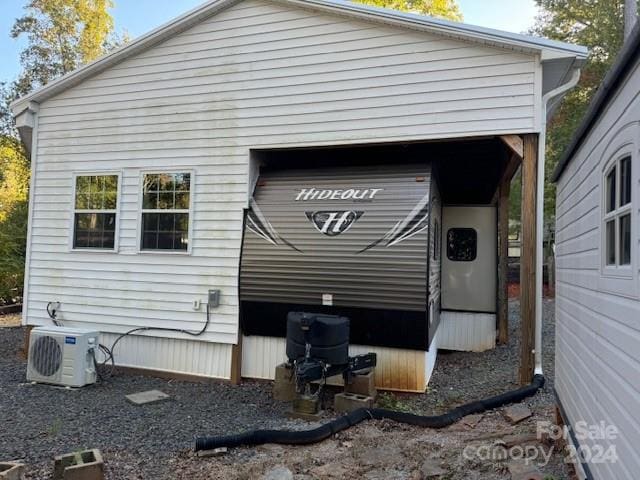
x: 83, y: 465
x: 362, y: 384
x: 284, y: 385
x: 11, y: 471
x: 216, y: 452
x: 431, y: 469
x: 516, y: 413
x: 472, y: 420
x: 150, y: 396
x: 330, y: 470
x: 348, y: 402
x: 278, y: 473
x: 513, y: 440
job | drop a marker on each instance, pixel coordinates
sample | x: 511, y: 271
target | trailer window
x: 462, y: 244
x: 165, y: 211
x: 95, y: 204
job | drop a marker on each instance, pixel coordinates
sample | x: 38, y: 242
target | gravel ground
x: 154, y: 441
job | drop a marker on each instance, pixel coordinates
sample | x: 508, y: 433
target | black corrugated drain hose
x: 304, y: 437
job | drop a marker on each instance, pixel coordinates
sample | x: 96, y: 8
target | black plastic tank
x: 327, y: 334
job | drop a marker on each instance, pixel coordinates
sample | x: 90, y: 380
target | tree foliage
x: 598, y: 25
x: 447, y: 9
x: 14, y: 189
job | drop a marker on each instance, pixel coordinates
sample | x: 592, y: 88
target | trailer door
x: 469, y: 260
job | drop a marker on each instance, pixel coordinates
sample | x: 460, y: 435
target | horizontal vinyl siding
x: 598, y: 317
x: 255, y: 75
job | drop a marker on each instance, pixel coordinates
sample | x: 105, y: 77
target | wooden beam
x: 515, y: 143
x: 528, y: 258
x: 236, y: 361
x: 507, y: 175
x: 503, y: 268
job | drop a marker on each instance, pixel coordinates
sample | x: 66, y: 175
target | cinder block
x: 364, y: 384
x: 284, y: 386
x: 11, y: 471
x: 348, y: 402
x: 84, y: 465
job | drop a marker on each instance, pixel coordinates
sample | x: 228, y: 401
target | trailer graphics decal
x: 333, y: 223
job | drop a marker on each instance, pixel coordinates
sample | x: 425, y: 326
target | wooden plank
x: 503, y: 254
x: 515, y: 143
x: 528, y: 258
x: 236, y: 361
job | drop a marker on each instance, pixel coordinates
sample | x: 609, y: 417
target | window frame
x: 74, y: 210
x: 616, y: 269
x: 141, y: 211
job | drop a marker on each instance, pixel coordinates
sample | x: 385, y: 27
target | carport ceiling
x: 468, y: 171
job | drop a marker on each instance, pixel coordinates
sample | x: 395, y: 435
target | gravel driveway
x: 154, y: 441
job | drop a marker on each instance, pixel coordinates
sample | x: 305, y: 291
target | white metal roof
x: 548, y: 49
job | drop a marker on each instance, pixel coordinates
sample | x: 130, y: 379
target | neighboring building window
x: 96, y: 200
x: 462, y: 244
x: 165, y: 211
x: 617, y: 217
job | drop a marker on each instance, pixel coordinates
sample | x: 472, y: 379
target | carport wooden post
x: 503, y: 255
x: 528, y: 258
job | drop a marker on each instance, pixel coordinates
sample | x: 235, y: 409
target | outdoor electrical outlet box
x: 214, y: 298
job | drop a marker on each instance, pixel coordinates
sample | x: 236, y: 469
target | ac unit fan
x: 62, y: 356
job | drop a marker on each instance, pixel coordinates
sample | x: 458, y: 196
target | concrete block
x: 83, y: 465
x: 348, y: 402
x: 150, y: 396
x: 284, y: 385
x: 11, y: 471
x: 364, y: 384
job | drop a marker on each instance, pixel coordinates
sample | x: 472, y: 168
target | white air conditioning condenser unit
x: 62, y: 356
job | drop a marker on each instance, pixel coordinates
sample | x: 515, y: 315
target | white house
x: 153, y: 166
x: 598, y: 291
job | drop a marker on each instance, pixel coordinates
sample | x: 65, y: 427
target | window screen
x: 165, y: 211
x: 96, y: 199
x: 462, y: 244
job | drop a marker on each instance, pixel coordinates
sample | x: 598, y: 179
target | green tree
x: 447, y: 9
x: 598, y: 25
x: 14, y: 188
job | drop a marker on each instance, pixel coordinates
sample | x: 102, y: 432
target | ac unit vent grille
x: 46, y: 356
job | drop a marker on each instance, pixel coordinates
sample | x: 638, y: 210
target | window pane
x: 182, y: 181
x: 94, y: 230
x: 150, y: 183
x: 610, y: 240
x: 165, y: 231
x: 165, y: 201
x: 82, y: 201
x: 182, y: 200
x: 150, y: 200
x: 625, y: 181
x: 611, y: 190
x: 625, y: 239
x: 462, y: 244
x: 165, y: 182
x: 82, y: 185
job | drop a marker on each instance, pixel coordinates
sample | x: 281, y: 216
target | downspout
x: 556, y: 92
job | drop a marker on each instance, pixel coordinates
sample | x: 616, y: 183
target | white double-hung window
x: 618, y: 213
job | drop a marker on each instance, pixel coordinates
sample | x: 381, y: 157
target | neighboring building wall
x: 598, y: 314
x: 259, y: 74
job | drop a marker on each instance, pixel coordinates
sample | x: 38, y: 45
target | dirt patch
x: 10, y: 320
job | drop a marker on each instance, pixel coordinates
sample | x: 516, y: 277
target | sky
x: 139, y: 16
